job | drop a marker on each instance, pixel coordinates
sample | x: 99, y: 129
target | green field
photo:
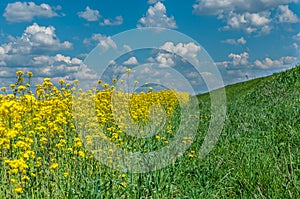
x: 257, y: 155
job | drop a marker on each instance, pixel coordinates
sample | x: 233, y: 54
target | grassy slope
x: 258, y: 152
x: 257, y: 155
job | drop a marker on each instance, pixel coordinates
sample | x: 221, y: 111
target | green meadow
x: 257, y: 154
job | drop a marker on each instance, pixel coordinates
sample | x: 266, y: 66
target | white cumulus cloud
x: 216, y: 7
x: 297, y: 37
x: 29, y: 49
x: 241, y: 41
x: 105, y: 42
x: 165, y: 60
x: 252, y: 16
x: 156, y: 16
x: 239, y: 59
x: 116, y: 22
x: 269, y: 63
x: 36, y: 51
x: 286, y: 15
x: 35, y: 40
x: 27, y: 11
x: 249, y: 22
x: 153, y: 1
x: 188, y: 51
x: 131, y: 61
x: 89, y: 14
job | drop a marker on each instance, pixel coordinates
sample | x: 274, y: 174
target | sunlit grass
x: 257, y: 156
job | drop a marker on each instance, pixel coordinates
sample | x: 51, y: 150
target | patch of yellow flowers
x: 38, y: 138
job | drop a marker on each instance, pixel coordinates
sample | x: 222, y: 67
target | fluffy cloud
x: 216, y: 7
x: 165, y: 60
x: 295, y: 46
x: 43, y: 39
x: 94, y: 15
x: 286, y: 15
x: 35, y: 40
x: 268, y: 63
x: 250, y: 16
x: 105, y: 42
x: 249, y: 22
x: 156, y: 17
x: 57, y: 67
x: 188, y: 51
x: 89, y: 14
x: 131, y: 61
x: 28, y: 53
x: 297, y: 37
x: 241, y: 62
x: 241, y: 41
x: 26, y: 11
x: 153, y: 1
x: 240, y: 68
x: 239, y: 59
x: 116, y: 22
x: 54, y: 60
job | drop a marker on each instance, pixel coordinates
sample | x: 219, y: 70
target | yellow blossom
x: 123, y: 184
x: 54, y: 166
x: 18, y: 190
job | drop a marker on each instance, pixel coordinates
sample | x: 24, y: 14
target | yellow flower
x: 61, y: 82
x: 19, y: 73
x: 25, y: 178
x: 29, y: 74
x: 77, y: 142
x: 54, y: 166
x: 18, y: 190
x: 13, y: 171
x: 38, y: 164
x: 123, y: 184
x: 17, y: 164
x: 105, y: 85
x: 128, y: 70
x: 21, y: 88
x: 61, y: 143
x: 3, y: 89
x: 66, y: 174
x: 28, y: 154
x: 81, y: 153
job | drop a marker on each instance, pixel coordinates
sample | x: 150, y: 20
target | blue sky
x: 245, y: 38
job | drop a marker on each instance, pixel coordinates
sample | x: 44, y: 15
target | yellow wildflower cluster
x: 38, y: 138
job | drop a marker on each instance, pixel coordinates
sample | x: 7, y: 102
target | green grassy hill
x: 258, y: 154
